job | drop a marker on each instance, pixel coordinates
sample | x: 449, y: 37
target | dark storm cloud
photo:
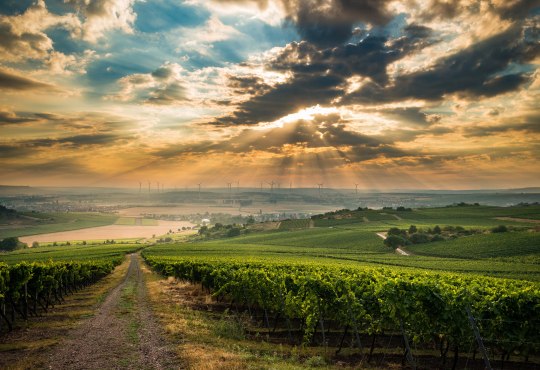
x: 286, y: 98
x: 475, y: 71
x: 329, y: 22
x: 10, y: 81
x: 319, y: 75
x: 247, y: 84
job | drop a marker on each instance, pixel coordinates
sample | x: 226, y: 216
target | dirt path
x: 123, y: 334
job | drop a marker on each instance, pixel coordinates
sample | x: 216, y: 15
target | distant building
x: 205, y: 222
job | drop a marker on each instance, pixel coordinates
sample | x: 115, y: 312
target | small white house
x: 205, y: 222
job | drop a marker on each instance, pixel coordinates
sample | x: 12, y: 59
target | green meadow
x: 353, y: 241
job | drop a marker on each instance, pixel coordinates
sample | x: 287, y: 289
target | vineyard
x: 428, y: 310
x: 294, y: 224
x: 35, y: 279
x: 28, y: 288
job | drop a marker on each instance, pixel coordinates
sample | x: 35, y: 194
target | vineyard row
x: 27, y: 289
x: 425, y: 307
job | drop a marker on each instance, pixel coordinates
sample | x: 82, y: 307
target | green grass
x: 149, y: 222
x: 125, y: 221
x: 54, y: 222
x: 483, y: 246
x: 68, y: 253
x: 294, y: 224
x: 355, y: 243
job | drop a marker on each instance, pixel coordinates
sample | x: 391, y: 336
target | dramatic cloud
x: 441, y: 93
x: 320, y: 75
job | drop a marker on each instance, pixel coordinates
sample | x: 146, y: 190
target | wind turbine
x: 356, y: 188
x: 229, y: 186
x: 271, y: 186
x: 199, y: 185
x: 148, y: 187
x: 320, y: 186
x: 140, y: 187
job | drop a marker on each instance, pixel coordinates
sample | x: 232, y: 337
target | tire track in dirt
x: 123, y: 334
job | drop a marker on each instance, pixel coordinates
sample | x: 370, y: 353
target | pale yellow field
x: 108, y: 232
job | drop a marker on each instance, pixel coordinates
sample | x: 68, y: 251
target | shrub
x: 395, y: 241
x: 437, y: 238
x: 9, y: 244
x: 395, y: 231
x: 499, y: 229
x: 419, y: 238
x: 234, y: 231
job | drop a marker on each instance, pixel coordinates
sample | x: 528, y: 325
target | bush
x: 203, y: 230
x: 412, y: 229
x: 35, y: 245
x: 395, y: 241
x: 437, y: 229
x: 437, y: 238
x: 499, y: 229
x: 419, y: 238
x: 396, y: 231
x: 234, y: 231
x: 9, y: 244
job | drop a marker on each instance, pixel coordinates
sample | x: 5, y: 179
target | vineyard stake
x: 408, y: 352
x: 479, y: 340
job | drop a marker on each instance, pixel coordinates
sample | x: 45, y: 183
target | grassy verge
x: 212, y: 340
x: 28, y: 345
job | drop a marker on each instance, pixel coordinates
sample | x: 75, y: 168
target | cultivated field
x: 325, y: 292
x: 109, y: 232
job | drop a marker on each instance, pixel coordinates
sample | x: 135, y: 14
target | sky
x: 379, y: 94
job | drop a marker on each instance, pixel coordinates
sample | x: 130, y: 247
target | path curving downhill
x: 123, y: 334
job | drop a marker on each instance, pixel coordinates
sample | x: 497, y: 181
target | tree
x: 395, y: 231
x: 35, y: 244
x: 412, y: 229
x: 437, y: 230
x: 203, y: 230
x: 233, y: 232
x: 395, y: 241
x: 419, y: 238
x: 9, y: 244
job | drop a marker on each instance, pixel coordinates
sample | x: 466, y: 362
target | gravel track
x: 123, y: 334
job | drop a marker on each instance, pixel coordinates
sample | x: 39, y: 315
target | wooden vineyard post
x: 479, y: 340
x: 355, y: 326
x: 408, y: 353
